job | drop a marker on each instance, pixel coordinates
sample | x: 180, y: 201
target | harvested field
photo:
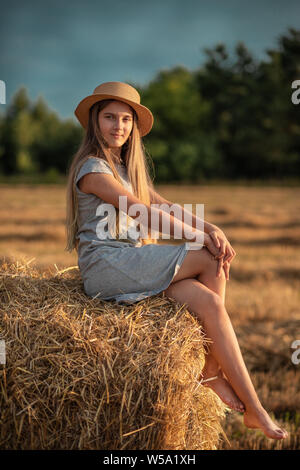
x: 262, y: 296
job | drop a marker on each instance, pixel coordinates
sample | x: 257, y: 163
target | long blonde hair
x: 134, y: 156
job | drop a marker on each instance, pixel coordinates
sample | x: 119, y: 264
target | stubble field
x: 262, y: 296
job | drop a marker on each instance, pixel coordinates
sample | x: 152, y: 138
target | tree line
x: 231, y: 118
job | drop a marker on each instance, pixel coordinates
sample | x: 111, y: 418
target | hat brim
x: 144, y: 114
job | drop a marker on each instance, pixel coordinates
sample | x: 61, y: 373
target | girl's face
x: 115, y: 122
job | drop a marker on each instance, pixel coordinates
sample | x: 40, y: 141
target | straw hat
x: 118, y: 91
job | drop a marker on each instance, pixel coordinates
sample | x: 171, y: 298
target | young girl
x: 121, y: 266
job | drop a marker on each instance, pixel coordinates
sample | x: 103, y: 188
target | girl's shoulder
x: 92, y: 164
x: 95, y: 158
x: 92, y: 160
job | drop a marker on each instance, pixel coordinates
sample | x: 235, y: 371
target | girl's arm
x: 225, y: 251
x: 158, y: 199
x: 109, y: 190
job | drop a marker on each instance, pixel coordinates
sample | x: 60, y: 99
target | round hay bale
x: 83, y: 373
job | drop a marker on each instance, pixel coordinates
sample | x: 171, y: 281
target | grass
x: 263, y: 294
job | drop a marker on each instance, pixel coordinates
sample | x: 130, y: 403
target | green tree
x: 177, y: 140
x: 10, y: 144
x: 232, y: 117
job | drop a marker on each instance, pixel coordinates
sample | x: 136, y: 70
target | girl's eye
x: 125, y: 119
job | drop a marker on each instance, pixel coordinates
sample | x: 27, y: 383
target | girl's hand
x: 211, y: 245
x: 225, y: 266
x: 225, y: 251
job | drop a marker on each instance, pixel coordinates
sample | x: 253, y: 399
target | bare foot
x: 259, y: 419
x: 223, y: 389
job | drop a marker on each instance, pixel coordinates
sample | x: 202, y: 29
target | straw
x: 90, y: 374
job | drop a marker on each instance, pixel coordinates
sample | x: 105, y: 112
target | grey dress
x: 122, y: 271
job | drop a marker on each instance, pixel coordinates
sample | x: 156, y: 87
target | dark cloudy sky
x: 63, y: 49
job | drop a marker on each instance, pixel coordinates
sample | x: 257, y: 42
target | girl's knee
x: 199, y: 299
x: 215, y: 303
x: 212, y: 309
x: 211, y: 267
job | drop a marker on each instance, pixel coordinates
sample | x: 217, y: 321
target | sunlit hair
x: 134, y: 156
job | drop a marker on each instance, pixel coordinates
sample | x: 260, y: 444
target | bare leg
x: 210, y: 311
x: 220, y: 386
x: 217, y: 285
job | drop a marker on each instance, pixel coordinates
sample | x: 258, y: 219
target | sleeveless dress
x: 114, y: 270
